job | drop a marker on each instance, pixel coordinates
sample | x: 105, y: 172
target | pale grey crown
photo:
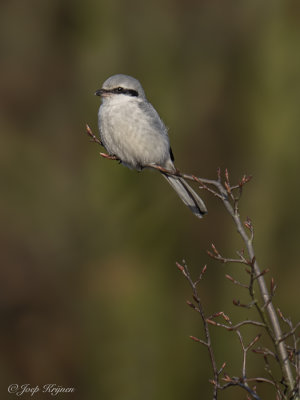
x: 126, y: 82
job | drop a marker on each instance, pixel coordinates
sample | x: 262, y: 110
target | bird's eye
x: 120, y: 89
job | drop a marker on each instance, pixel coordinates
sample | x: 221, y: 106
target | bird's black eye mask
x: 121, y: 90
x: 118, y: 90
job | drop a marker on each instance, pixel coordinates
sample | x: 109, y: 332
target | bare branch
x: 92, y: 136
x: 237, y: 382
x: 290, y: 333
x: 286, y: 355
x: 207, y: 342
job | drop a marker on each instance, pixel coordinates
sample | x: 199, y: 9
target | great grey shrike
x: 132, y: 131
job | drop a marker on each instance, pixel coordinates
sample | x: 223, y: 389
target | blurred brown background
x: 89, y: 293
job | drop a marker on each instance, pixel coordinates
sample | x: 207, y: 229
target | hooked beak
x: 102, y: 92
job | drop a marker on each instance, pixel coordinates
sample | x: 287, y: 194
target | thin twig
x: 237, y: 326
x: 92, y: 136
x: 184, y: 269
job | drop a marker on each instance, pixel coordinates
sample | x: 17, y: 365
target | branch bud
x: 273, y: 287
x: 226, y: 175
x: 226, y: 378
x: 179, y: 266
x: 190, y: 304
x: 280, y: 313
x: 204, y: 269
x: 209, y: 321
x: 256, y: 339
x: 215, y: 250
x: 245, y: 179
x: 227, y: 187
x: 195, y: 339
x: 229, y: 277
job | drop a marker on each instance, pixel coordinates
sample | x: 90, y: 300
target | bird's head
x: 121, y: 85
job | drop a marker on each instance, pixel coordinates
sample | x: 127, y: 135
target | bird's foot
x: 109, y: 157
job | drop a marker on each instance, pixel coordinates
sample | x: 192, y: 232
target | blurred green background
x: 90, y: 296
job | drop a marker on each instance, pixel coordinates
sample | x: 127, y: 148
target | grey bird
x: 132, y: 131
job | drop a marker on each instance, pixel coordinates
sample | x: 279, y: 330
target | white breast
x: 132, y: 130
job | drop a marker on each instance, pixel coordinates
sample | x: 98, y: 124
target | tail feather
x: 187, y: 195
